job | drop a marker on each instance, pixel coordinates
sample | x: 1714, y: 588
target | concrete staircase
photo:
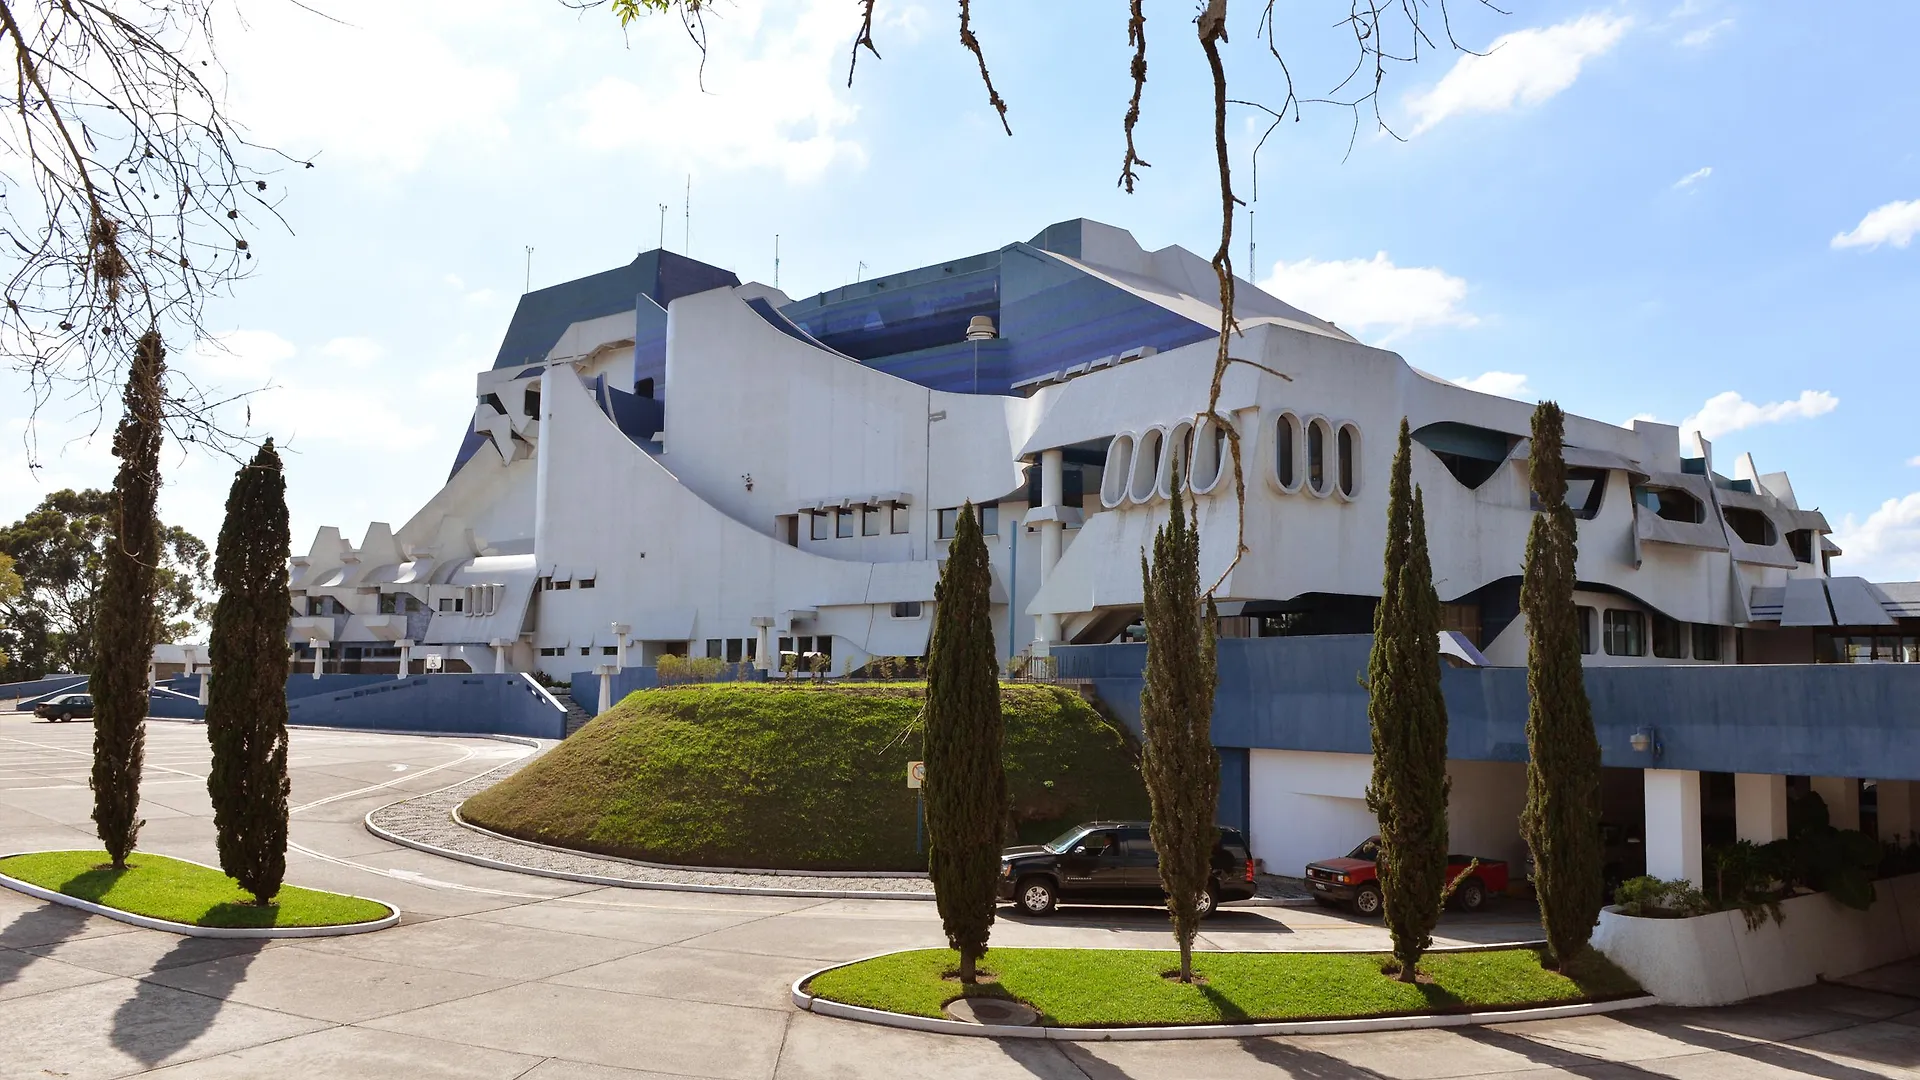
x: 577, y: 717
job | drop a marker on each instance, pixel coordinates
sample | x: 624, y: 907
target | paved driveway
x: 500, y: 975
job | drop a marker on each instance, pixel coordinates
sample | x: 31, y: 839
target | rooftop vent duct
x: 980, y: 328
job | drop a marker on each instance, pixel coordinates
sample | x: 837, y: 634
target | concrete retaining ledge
x: 148, y: 922
x: 810, y: 1003
x: 1715, y: 960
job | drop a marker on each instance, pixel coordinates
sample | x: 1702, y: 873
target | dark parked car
x: 63, y: 707
x: 1113, y: 862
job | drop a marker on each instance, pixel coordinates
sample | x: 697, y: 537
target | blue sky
x: 1699, y: 211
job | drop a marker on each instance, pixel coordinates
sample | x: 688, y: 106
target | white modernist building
x: 665, y: 460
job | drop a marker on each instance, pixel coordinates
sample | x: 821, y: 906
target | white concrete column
x: 1842, y: 795
x: 1673, y: 824
x: 1760, y: 807
x: 1046, y: 627
x: 319, y: 656
x: 500, y: 662
x: 763, y: 652
x: 206, y: 677
x: 621, y: 633
x: 606, y: 673
x: 406, y: 657
x: 1894, y: 805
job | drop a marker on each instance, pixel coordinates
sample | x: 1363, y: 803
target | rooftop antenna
x: 529, y: 285
x: 1252, y: 265
x: 686, y: 241
x: 663, y: 226
x: 776, y: 260
x: 859, y: 270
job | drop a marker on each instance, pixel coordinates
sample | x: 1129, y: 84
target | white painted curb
x: 810, y: 1003
x: 148, y: 922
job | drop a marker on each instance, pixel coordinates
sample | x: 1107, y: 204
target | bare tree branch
x: 972, y: 45
x: 865, y: 38
x: 1137, y: 37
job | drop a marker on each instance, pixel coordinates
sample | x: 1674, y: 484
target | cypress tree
x: 1178, y: 762
x: 124, y: 625
x: 1561, y: 822
x: 247, y: 701
x: 966, y: 785
x: 1408, y: 794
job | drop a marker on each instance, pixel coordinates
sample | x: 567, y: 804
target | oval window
x: 1146, y: 464
x: 1118, y: 468
x: 1348, y: 452
x: 1317, y: 456
x: 1180, y: 461
x: 1286, y: 451
x: 1210, y: 456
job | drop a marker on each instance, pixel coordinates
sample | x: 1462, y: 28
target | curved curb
x: 810, y: 1003
x: 148, y: 922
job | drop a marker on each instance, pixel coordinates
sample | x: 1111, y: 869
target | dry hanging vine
x: 1371, y: 22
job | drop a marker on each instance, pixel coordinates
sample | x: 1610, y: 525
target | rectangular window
x: 715, y: 647
x: 733, y: 650
x: 546, y: 584
x: 843, y: 524
x: 446, y: 603
x: 586, y: 582
x: 1626, y: 633
x: 1801, y: 541
x: 549, y: 652
x: 870, y: 521
x: 562, y: 585
x: 989, y: 520
x: 1585, y: 615
x: 1706, y: 643
x: 586, y: 650
x: 1669, y: 638
x: 906, y: 609
x: 1464, y: 618
x: 819, y: 527
x: 786, y: 644
x: 786, y: 529
x: 609, y: 650
x: 898, y: 512
x: 389, y: 604
x: 803, y: 645
x: 949, y: 521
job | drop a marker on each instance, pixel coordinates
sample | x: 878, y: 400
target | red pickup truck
x: 1354, y: 879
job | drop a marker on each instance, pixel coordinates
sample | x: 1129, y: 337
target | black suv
x: 1113, y: 862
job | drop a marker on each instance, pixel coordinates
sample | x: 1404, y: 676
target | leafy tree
x: 1561, y: 822
x: 125, y: 624
x: 1409, y: 718
x: 1177, y: 760
x: 966, y: 786
x: 247, y: 700
x: 59, y: 552
x: 10, y: 587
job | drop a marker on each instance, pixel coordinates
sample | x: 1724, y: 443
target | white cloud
x: 374, y: 85
x: 1914, y: 461
x: 1500, y: 383
x: 1728, y: 412
x: 1693, y: 177
x: 1525, y: 67
x: 242, y: 356
x: 1895, y: 223
x: 357, y: 353
x: 1363, y: 294
x: 774, y: 96
x: 1701, y: 35
x: 1885, y: 546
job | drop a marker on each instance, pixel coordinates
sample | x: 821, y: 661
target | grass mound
x: 183, y: 892
x: 795, y: 777
x: 1125, y: 987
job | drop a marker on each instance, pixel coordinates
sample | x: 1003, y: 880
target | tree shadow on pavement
x: 1048, y: 1060
x: 160, y: 1021
x: 1779, y: 1054
x: 49, y: 924
x: 1302, y: 1064
x: 1552, y: 1056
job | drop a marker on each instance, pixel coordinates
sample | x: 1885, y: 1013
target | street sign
x: 916, y: 773
x: 434, y: 661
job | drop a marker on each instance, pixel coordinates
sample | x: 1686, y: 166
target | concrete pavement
x: 494, y: 974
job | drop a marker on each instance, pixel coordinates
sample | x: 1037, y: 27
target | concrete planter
x: 1714, y: 959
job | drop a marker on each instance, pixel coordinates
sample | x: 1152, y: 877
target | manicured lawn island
x: 1128, y: 988
x: 157, y: 887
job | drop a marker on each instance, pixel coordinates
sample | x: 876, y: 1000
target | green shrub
x: 1651, y: 898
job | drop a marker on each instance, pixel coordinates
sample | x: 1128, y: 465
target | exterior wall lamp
x: 1647, y: 739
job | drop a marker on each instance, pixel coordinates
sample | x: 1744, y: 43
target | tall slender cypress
x: 247, y: 701
x: 1408, y: 794
x: 966, y: 785
x: 1561, y: 822
x: 124, y: 625
x: 1178, y: 761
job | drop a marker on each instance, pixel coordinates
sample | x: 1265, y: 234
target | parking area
x: 493, y: 974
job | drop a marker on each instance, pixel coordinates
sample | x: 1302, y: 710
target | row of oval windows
x: 1315, y: 455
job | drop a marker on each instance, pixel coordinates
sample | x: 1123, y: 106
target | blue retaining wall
x: 586, y: 685
x: 1304, y: 693
x: 437, y: 704
x: 33, y: 690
